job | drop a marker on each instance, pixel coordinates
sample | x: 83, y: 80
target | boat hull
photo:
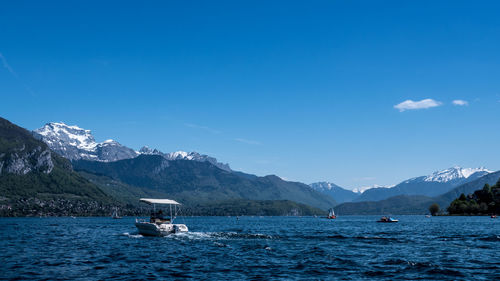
x: 152, y: 229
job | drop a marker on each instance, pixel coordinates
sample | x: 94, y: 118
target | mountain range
x: 75, y: 143
x: 36, y: 180
x: 431, y: 185
x: 63, y: 166
x: 414, y: 204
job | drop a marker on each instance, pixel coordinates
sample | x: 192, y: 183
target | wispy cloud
x: 460, y: 102
x: 413, y: 105
x: 253, y: 142
x: 204, y: 128
x: 7, y: 66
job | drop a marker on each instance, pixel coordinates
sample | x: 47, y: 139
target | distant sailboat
x: 115, y: 214
x: 331, y: 214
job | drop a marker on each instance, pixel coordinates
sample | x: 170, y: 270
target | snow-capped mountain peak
x: 72, y: 135
x: 455, y: 173
x: 338, y: 193
x: 183, y: 155
x: 76, y: 143
x: 365, y: 188
x: 110, y: 141
x: 322, y: 186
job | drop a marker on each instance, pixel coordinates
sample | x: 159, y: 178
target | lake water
x: 348, y: 248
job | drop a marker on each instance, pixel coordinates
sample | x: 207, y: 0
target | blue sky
x: 307, y: 90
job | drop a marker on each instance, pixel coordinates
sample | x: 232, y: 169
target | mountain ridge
x: 431, y: 185
x: 197, y: 182
x: 75, y: 143
x: 414, y: 204
x: 338, y: 193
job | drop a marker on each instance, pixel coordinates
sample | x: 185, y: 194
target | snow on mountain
x: 183, y: 155
x: 71, y: 135
x: 148, y: 151
x: 365, y: 188
x: 321, y: 186
x: 455, y: 173
x: 431, y: 185
x: 336, y: 192
x: 76, y: 143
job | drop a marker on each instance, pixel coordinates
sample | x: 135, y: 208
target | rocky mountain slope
x: 34, y: 180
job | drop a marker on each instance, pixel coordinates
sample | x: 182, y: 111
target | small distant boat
x: 331, y: 214
x: 427, y: 216
x: 494, y: 216
x: 115, y: 214
x: 158, y: 225
x: 387, y: 219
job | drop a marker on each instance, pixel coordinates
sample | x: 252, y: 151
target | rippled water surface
x: 348, y: 248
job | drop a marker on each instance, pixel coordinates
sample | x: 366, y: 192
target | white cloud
x: 412, y: 105
x: 460, y: 102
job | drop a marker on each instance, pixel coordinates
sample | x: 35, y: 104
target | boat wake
x: 135, y: 235
x: 219, y: 236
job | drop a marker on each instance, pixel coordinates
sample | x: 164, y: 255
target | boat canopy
x: 159, y: 201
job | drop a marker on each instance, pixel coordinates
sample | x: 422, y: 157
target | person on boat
x: 160, y: 215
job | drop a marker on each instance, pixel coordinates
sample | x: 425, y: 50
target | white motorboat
x: 387, y: 219
x: 158, y: 225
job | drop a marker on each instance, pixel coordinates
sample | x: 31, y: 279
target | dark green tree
x: 481, y: 202
x: 434, y: 209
